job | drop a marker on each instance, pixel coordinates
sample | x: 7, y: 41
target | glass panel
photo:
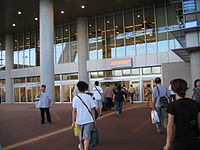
x: 21, y: 58
x: 73, y: 76
x: 57, y: 93
x: 127, y: 72
x: 101, y: 38
x: 150, y: 30
x: 110, y: 36
x: 161, y: 29
x: 156, y: 69
x: 119, y: 30
x: 3, y: 57
x: 146, y: 70
x: 73, y: 44
x: 109, y: 73
x: 26, y: 58
x: 34, y: 90
x: 117, y: 73
x: 147, y: 95
x: 189, y: 5
x: 3, y: 96
x: 59, y: 50
x: 92, y: 39
x: 94, y: 75
x: 136, y: 71
x: 23, y: 94
x: 136, y: 86
x: 66, y: 44
x: 57, y: 77
x: 65, y: 77
x: 29, y: 95
x: 16, y: 59
x: 129, y: 30
x: 101, y: 74
x: 67, y: 93
x: 32, y: 57
x: 16, y: 94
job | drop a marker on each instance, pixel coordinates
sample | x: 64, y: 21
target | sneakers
x: 80, y: 147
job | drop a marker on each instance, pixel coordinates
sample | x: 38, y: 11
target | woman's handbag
x: 76, y: 129
x: 154, y: 117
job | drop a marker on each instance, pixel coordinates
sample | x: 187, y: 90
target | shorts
x: 99, y: 103
x: 85, y: 131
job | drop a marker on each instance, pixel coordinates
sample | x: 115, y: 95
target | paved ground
x: 19, y: 129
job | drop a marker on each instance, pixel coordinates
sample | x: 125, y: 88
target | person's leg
x: 100, y: 107
x: 86, y: 144
x: 48, y: 115
x: 117, y: 107
x: 158, y: 124
x: 81, y: 145
x: 42, y: 116
x: 120, y: 108
x: 164, y: 117
x: 110, y: 103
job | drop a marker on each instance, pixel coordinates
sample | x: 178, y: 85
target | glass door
x: 136, y: 86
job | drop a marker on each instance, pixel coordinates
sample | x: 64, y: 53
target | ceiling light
x: 82, y: 6
x: 19, y: 12
x: 66, y: 30
x: 108, y: 21
x: 99, y: 29
x: 90, y: 25
x: 138, y: 16
x: 13, y: 24
x: 36, y: 19
x: 62, y: 12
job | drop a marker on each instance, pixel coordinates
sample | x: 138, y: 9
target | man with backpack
x: 160, y: 102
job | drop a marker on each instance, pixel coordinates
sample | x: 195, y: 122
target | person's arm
x: 154, y: 103
x: 170, y: 131
x: 73, y: 117
x: 193, y: 95
x: 38, y: 95
x: 199, y: 121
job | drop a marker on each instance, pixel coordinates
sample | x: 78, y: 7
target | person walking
x: 183, y: 119
x: 108, y: 94
x: 84, y: 114
x: 172, y: 94
x: 148, y: 95
x: 97, y: 95
x: 131, y: 93
x: 119, y: 98
x: 44, y: 105
x: 160, y: 101
x: 125, y: 91
x: 196, y: 91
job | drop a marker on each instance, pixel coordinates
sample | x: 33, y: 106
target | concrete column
x: 82, y: 32
x: 195, y: 65
x: 9, y: 66
x: 46, y: 46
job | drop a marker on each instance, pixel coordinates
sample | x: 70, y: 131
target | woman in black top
x: 183, y: 118
x: 119, y: 98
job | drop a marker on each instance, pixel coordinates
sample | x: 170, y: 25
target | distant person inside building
x: 148, y: 95
x: 125, y: 91
x: 119, y: 98
x: 196, y: 91
x: 44, y: 105
x: 83, y: 113
x: 160, y: 102
x: 172, y: 94
x: 131, y: 92
x: 97, y: 94
x: 183, y: 118
x: 108, y: 94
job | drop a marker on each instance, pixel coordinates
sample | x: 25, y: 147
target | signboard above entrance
x: 121, y: 63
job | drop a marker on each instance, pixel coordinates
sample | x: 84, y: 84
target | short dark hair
x: 107, y: 85
x: 44, y: 86
x: 179, y: 86
x: 96, y: 83
x: 82, y: 86
x: 119, y: 87
x: 157, y: 80
x: 131, y: 85
x: 195, y: 82
x: 148, y: 85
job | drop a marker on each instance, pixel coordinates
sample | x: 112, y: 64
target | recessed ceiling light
x: 62, y: 11
x: 90, y: 25
x: 19, y: 12
x: 83, y: 6
x: 108, y: 21
x: 66, y: 30
x: 13, y: 24
x: 36, y: 19
x: 138, y: 16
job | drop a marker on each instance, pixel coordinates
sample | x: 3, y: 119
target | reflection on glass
x: 146, y: 70
x: 16, y: 94
x: 139, y: 32
x: 110, y: 41
x: 57, y: 93
x: 29, y: 94
x: 189, y: 5
x: 136, y: 86
x: 23, y: 94
x: 66, y: 93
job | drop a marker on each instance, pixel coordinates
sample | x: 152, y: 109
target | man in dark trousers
x: 44, y: 104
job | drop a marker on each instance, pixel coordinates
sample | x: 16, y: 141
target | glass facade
x: 191, y: 5
x: 2, y: 54
x: 132, y: 32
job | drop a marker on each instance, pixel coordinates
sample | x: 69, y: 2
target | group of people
x: 178, y: 114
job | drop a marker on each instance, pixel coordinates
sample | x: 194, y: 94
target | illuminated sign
x: 121, y: 63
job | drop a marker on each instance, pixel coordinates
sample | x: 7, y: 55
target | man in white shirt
x: 44, y: 104
x: 83, y: 113
x: 97, y: 95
